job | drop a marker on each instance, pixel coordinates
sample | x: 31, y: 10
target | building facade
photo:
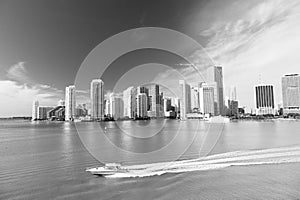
x: 154, y: 104
x: 264, y: 97
x: 207, y: 103
x: 142, y: 105
x: 185, y: 99
x: 291, y: 94
x: 129, y: 99
x: 97, y: 99
x: 70, y: 103
x: 35, y: 106
x: 214, y: 77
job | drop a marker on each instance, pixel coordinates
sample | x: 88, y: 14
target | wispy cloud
x: 18, y: 91
x: 263, y: 39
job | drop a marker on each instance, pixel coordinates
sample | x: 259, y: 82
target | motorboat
x: 107, y: 169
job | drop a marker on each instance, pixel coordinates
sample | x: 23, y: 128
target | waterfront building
x: 154, y: 97
x: 80, y: 111
x: 167, y: 104
x: 214, y: 77
x: 97, y: 99
x: 233, y: 108
x: 129, y: 99
x: 117, y: 107
x: 264, y: 97
x: 43, y: 112
x: 35, y: 106
x: 206, y: 102
x: 143, y: 89
x: 291, y: 94
x: 185, y: 99
x: 57, y: 113
x: 141, y: 105
x: 70, y: 103
x: 207, y: 97
x: 195, y: 98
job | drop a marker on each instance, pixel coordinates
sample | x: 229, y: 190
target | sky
x: 43, y: 44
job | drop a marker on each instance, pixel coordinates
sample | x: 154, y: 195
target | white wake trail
x: 237, y: 158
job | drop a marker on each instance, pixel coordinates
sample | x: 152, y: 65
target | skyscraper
x: 195, y: 99
x: 155, y: 105
x: 264, y: 96
x: 35, y: 106
x: 117, y: 107
x: 97, y: 99
x: 291, y: 94
x: 206, y: 95
x: 141, y: 105
x: 43, y: 112
x: 129, y: 99
x: 70, y: 103
x: 215, y: 75
x: 214, y: 101
x: 185, y: 99
x: 142, y: 89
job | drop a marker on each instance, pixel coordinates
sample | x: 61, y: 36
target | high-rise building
x: 43, y: 112
x: 35, y: 106
x: 117, y: 107
x: 129, y: 99
x: 207, y: 96
x: 97, y: 99
x: 155, y: 105
x: 233, y: 108
x: 167, y: 104
x: 195, y: 99
x: 141, y: 105
x: 143, y: 89
x: 264, y: 96
x: 185, y: 99
x: 215, y: 75
x: 214, y: 102
x: 291, y: 94
x: 70, y: 103
x: 57, y: 113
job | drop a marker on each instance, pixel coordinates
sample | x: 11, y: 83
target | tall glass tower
x: 97, y: 99
x: 70, y: 103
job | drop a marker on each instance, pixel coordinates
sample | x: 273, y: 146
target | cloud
x: 263, y: 39
x: 18, y: 72
x: 18, y: 91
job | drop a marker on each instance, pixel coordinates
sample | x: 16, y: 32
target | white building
x: 214, y: 77
x: 195, y: 98
x: 129, y: 99
x: 70, y: 103
x: 97, y: 99
x: 291, y: 94
x: 35, y: 106
x: 207, y: 96
x: 117, y: 107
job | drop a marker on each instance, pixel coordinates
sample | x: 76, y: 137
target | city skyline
x: 48, y: 61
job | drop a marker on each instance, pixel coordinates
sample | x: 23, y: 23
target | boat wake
x: 237, y: 158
